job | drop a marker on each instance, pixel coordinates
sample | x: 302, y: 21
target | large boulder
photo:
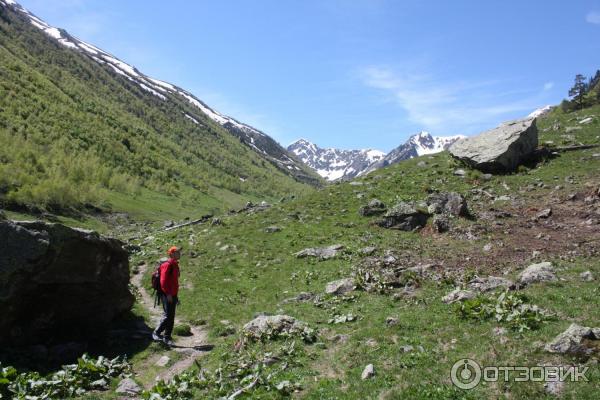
x: 501, y: 149
x: 404, y: 216
x: 58, y: 283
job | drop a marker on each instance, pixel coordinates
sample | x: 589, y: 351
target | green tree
x: 578, y: 90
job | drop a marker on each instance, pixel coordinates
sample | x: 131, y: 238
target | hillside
x: 397, y: 320
x: 79, y: 127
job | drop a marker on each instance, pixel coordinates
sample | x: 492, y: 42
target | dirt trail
x: 185, y: 345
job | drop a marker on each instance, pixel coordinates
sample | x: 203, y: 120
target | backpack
x: 155, y: 281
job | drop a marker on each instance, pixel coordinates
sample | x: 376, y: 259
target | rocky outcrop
x: 273, y: 326
x: 573, y: 340
x: 501, y: 149
x: 458, y: 295
x: 59, y: 283
x: 404, y: 216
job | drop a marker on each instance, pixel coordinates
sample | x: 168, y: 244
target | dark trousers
x: 168, y: 318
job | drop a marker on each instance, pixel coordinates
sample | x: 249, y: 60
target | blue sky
x: 354, y: 73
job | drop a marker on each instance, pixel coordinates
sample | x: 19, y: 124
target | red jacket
x: 169, y: 277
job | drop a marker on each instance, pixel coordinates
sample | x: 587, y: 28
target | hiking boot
x: 168, y: 341
x: 156, y: 337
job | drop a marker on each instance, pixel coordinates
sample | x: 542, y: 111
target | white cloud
x: 593, y: 17
x: 447, y: 107
x: 548, y: 85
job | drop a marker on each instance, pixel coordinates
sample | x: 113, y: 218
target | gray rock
x: 375, y: 207
x: 586, y: 276
x: 458, y: 295
x: 368, y: 372
x: 367, y: 251
x: 404, y: 216
x: 273, y: 325
x: 459, y: 172
x: 544, y: 214
x: 441, y: 223
x: 272, y: 229
x: 128, y: 386
x: 341, y: 286
x: 53, y: 278
x: 572, y: 340
x: 501, y: 149
x: 391, y: 321
x: 586, y: 121
x: 162, y: 361
x: 490, y: 283
x: 542, y: 272
x: 447, y: 202
x: 169, y: 224
x: 322, y: 253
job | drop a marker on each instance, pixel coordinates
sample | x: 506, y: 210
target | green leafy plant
x: 511, y: 309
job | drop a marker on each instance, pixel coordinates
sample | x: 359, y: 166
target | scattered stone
x: 340, y: 338
x: 490, y: 283
x: 441, y: 223
x: 406, y: 348
x: 371, y: 342
x: 586, y: 121
x: 168, y: 224
x: 272, y: 229
x: 162, y: 361
x: 488, y: 247
x: 216, y: 221
x: 272, y: 325
x: 375, y: 207
x: 554, y: 386
x: 341, y: 286
x: 487, y: 177
x: 586, y: 276
x: 367, y: 251
x: 58, y: 278
x: 458, y: 295
x: 503, y: 198
x: 447, y: 202
x: 322, y: 253
x: 542, y: 272
x: 128, y: 386
x: 501, y: 149
x: 573, y: 340
x: 404, y: 216
x: 421, y: 164
x: 391, y: 321
x: 459, y: 172
x: 544, y: 214
x: 368, y: 372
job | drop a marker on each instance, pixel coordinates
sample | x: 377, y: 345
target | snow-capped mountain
x: 417, y: 145
x: 333, y: 164
x: 252, y: 137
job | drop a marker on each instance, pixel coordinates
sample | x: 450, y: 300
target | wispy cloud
x: 447, y: 107
x: 548, y: 85
x: 593, y: 17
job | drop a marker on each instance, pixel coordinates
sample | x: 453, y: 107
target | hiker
x: 169, y: 286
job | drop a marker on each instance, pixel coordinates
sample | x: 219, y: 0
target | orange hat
x: 173, y: 249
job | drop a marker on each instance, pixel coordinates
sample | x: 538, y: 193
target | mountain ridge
x: 334, y: 164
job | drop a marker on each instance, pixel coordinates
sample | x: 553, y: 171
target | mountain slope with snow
x: 333, y: 164
x: 417, y: 145
x: 252, y: 137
